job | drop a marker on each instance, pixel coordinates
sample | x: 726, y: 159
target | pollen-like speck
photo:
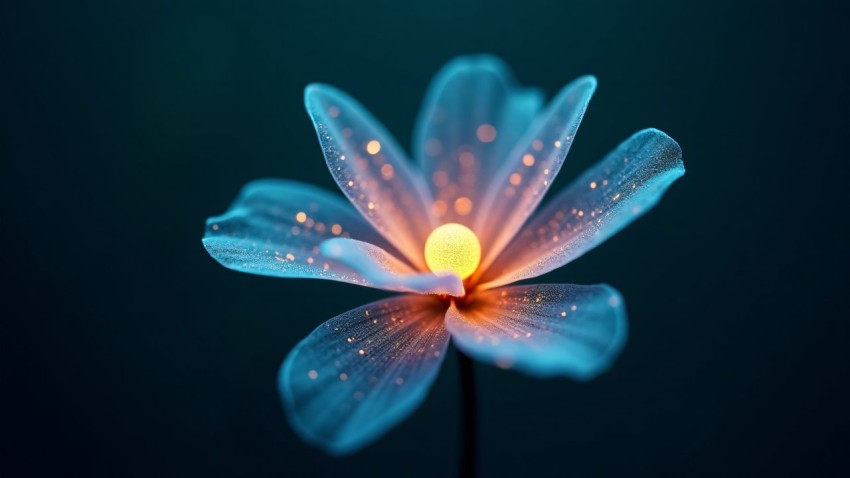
x: 528, y: 159
x: 301, y: 217
x: 309, y: 260
x: 215, y: 227
x: 387, y: 171
x: 463, y: 206
x: 336, y: 229
x: 290, y: 256
x: 373, y: 147
x: 593, y: 185
x: 361, y: 352
x: 563, y: 313
x: 486, y: 133
x: 573, y: 308
x: 343, y: 376
x: 516, y: 179
x: 371, y: 205
x: 557, y: 143
x: 313, y: 374
x: 342, y: 157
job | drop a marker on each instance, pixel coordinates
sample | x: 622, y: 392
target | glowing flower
x: 451, y: 231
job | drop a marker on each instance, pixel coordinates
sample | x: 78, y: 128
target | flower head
x: 451, y: 230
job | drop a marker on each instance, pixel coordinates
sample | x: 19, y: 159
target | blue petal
x: 275, y: 228
x: 543, y: 330
x: 531, y: 167
x: 605, y: 199
x: 372, y: 170
x: 361, y: 373
x: 469, y: 93
x: 386, y: 272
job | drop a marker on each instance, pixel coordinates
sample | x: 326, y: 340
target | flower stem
x: 469, y: 418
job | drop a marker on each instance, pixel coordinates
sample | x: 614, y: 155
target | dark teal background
x: 127, y: 351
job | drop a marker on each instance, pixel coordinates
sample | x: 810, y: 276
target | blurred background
x: 128, y: 351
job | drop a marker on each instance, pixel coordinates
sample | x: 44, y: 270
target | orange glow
x: 463, y: 205
x: 373, y: 147
x: 486, y: 133
x: 387, y: 171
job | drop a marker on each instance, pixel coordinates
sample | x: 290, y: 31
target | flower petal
x: 275, y: 228
x: 372, y: 170
x: 386, y: 272
x: 543, y: 330
x: 605, y: 199
x: 523, y: 180
x: 361, y: 373
x: 473, y: 115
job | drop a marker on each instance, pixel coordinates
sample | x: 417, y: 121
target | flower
x: 450, y: 231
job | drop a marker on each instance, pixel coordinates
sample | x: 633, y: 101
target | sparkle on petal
x: 373, y: 147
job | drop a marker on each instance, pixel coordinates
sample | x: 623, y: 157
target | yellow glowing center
x: 453, y: 248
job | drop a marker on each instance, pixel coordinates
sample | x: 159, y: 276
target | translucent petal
x: 361, y: 373
x: 531, y: 167
x: 372, y: 170
x: 276, y: 227
x: 543, y: 330
x: 386, y: 272
x: 471, y: 118
x: 605, y: 199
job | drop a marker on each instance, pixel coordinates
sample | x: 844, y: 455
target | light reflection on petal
x: 362, y: 372
x: 357, y: 150
x: 602, y: 201
x: 384, y: 271
x: 543, y: 330
x: 276, y: 227
x: 513, y: 198
x: 472, y: 116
